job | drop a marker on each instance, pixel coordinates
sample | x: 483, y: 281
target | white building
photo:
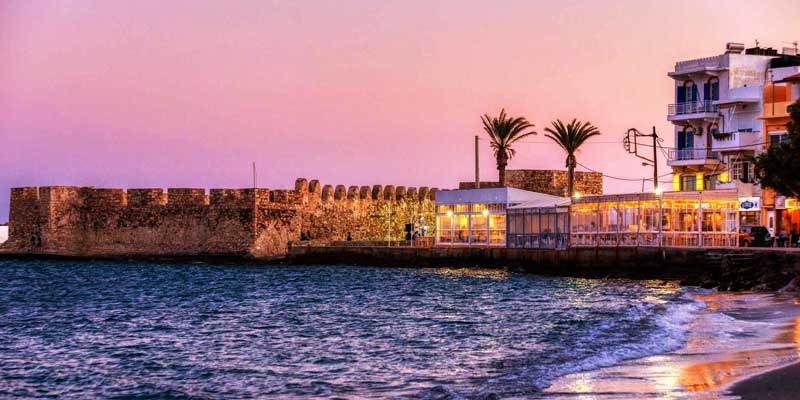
x: 718, y: 103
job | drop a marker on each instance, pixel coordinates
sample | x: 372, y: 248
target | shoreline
x: 782, y: 383
x: 740, y: 344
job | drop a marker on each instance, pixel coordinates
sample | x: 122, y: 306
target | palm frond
x: 504, y: 131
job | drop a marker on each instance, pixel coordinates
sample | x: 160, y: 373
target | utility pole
x: 254, y: 175
x: 477, y: 167
x: 655, y: 160
x: 631, y: 145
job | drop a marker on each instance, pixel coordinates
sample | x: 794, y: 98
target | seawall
x: 727, y: 269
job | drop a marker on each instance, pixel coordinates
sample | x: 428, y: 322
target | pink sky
x: 187, y: 94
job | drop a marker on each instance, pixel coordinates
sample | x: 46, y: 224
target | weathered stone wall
x: 553, y: 182
x: 87, y: 221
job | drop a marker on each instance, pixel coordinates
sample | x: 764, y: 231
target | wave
x: 644, y: 329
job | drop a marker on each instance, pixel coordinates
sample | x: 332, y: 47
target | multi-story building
x: 783, y: 89
x: 718, y: 103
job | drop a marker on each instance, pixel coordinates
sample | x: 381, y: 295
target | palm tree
x: 570, y: 137
x: 503, y: 132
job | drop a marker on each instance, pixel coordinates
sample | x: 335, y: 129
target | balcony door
x: 685, y: 144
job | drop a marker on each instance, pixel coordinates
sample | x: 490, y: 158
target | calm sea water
x: 137, y: 330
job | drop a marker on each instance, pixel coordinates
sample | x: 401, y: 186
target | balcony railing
x: 692, y: 107
x: 692, y: 154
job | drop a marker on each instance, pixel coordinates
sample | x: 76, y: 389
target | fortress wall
x: 186, y: 197
x: 88, y: 221
x: 146, y: 197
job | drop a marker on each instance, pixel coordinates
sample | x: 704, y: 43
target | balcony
x: 743, y: 139
x: 692, y: 110
x: 778, y: 109
x: 692, y: 156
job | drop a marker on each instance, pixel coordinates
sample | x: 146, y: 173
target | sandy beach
x: 740, y: 346
x: 780, y: 384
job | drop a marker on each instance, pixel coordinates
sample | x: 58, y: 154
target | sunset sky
x: 189, y: 93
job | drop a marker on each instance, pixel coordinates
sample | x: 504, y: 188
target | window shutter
x: 706, y: 92
x: 681, y: 95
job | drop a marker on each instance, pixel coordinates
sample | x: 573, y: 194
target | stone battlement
x: 135, y: 197
x: 84, y: 220
x: 553, y: 182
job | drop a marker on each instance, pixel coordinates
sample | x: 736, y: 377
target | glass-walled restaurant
x: 673, y: 219
x: 475, y: 217
x: 541, y: 224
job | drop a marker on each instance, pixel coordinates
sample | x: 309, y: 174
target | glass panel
x: 461, y: 233
x: 478, y: 229
x: 478, y: 207
x: 497, y: 207
x: 462, y: 207
x: 497, y: 228
x: 443, y: 208
x: 443, y: 224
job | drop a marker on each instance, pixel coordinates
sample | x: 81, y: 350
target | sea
x: 135, y: 330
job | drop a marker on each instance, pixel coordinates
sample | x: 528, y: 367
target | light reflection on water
x: 101, y: 329
x: 721, y: 350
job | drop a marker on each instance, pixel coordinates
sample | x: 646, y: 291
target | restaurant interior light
x: 485, y: 212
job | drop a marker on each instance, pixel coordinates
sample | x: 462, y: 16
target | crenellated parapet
x: 146, y: 197
x: 187, y: 197
x: 86, y: 220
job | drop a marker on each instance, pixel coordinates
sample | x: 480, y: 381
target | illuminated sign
x: 749, y: 203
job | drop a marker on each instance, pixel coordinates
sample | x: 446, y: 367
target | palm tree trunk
x: 571, y: 175
x: 502, y: 161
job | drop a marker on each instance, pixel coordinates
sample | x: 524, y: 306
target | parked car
x: 754, y: 236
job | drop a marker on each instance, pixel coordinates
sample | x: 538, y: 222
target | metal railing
x: 651, y: 239
x: 692, y: 107
x: 538, y: 240
x: 692, y: 154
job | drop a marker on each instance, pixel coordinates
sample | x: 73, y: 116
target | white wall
x: 3, y: 233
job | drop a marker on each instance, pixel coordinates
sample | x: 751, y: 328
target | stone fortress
x: 95, y: 222
x: 552, y: 182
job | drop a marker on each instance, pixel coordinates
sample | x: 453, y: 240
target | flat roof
x: 505, y: 195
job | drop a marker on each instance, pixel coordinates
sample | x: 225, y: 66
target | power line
x: 645, y: 145
x: 618, y: 178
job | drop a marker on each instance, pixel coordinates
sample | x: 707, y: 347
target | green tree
x: 503, y: 131
x: 778, y: 168
x: 570, y: 137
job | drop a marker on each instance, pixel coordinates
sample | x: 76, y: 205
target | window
x: 688, y: 182
x: 443, y: 226
x: 742, y: 171
x: 478, y: 229
x: 497, y: 228
x: 443, y: 208
x: 462, y: 208
x: 461, y: 228
x: 711, y: 90
x: 781, y: 138
x: 713, y: 130
x: 710, y: 182
x: 687, y: 92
